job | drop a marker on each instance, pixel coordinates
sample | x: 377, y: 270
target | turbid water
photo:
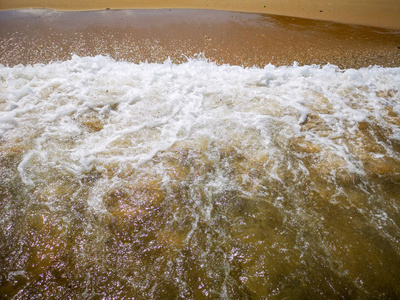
x: 42, y: 36
x: 198, y: 181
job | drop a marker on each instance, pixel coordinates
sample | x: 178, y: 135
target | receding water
x: 198, y: 181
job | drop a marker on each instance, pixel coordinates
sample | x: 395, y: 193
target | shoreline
x: 245, y: 39
x: 375, y: 13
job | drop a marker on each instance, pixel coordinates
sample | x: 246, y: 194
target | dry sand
x: 40, y: 36
x: 378, y: 13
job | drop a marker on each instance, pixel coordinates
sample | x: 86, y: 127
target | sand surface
x: 379, y: 13
x: 248, y: 39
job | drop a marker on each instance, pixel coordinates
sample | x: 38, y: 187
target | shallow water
x: 41, y: 36
x: 196, y: 181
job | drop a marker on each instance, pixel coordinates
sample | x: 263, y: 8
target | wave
x: 234, y: 181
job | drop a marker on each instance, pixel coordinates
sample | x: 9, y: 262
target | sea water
x: 198, y: 181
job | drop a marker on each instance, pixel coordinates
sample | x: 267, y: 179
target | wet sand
x: 379, y: 13
x: 248, y: 39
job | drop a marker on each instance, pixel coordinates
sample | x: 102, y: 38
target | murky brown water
x: 195, y: 181
x: 198, y: 181
x: 41, y: 36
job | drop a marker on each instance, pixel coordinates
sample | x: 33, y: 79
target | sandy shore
x: 378, y: 13
x: 248, y: 39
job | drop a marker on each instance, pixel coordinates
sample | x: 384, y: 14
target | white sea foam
x: 134, y: 112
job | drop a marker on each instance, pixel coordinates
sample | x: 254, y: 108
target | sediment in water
x: 41, y: 36
x: 196, y: 180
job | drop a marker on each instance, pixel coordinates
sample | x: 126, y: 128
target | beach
x: 366, y: 12
x: 247, y: 33
x: 199, y: 150
x: 245, y: 39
